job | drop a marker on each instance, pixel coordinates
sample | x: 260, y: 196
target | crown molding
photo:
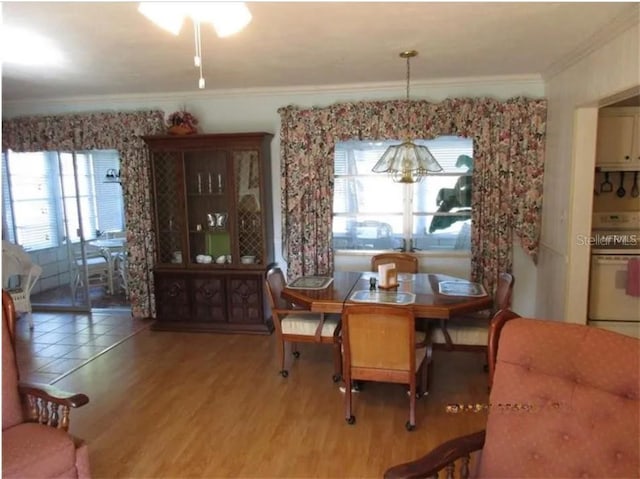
x: 628, y: 18
x: 226, y: 94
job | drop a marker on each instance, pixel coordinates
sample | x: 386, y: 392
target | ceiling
x: 112, y: 49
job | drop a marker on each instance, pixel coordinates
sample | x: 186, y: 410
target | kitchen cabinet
x: 618, y: 143
x: 212, y: 231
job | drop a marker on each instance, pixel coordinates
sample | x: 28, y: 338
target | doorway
x: 66, y: 210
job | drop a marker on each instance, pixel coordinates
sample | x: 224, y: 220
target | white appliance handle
x: 612, y: 260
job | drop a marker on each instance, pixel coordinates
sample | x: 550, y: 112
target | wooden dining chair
x: 296, y: 325
x: 480, y: 319
x: 379, y: 344
x: 405, y: 263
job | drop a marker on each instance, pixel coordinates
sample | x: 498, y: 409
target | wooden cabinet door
x: 615, y: 139
x: 169, y: 208
x: 172, y: 297
x: 245, y: 298
x: 208, y: 299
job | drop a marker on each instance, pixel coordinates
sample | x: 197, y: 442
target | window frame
x: 57, y: 196
x: 409, y: 241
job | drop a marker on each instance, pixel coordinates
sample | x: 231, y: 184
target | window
x: 40, y: 195
x: 371, y: 212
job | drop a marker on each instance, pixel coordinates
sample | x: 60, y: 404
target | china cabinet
x: 212, y: 231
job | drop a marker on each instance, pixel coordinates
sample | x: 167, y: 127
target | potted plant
x: 182, y: 123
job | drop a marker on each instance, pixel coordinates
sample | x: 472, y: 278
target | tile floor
x: 62, y: 342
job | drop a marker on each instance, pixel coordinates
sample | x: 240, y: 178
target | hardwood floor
x: 169, y: 405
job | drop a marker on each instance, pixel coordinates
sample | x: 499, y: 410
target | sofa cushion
x: 34, y: 450
x: 581, y: 386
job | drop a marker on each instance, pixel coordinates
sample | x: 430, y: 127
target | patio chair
x: 99, y: 267
x: 16, y: 263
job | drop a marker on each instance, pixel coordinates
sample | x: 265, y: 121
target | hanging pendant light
x: 407, y: 162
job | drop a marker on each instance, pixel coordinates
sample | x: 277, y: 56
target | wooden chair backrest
x: 495, y: 328
x: 405, y: 263
x: 9, y: 314
x: 276, y: 282
x: 503, y: 292
x: 379, y: 337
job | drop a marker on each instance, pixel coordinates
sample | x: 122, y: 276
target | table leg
x: 445, y: 333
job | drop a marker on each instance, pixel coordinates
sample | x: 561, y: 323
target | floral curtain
x: 102, y: 131
x: 508, y: 142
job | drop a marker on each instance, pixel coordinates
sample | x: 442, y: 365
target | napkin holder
x: 387, y: 276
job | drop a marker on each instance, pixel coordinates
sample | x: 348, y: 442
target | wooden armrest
x: 49, y: 405
x: 438, y: 458
x: 53, y: 394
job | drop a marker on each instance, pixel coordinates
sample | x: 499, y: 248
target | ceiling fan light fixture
x: 407, y: 162
x: 227, y: 18
x: 168, y: 16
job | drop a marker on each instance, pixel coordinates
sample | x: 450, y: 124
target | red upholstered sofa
x: 35, y: 441
x: 564, y: 403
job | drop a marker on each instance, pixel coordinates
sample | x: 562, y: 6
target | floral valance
x: 508, y: 139
x: 120, y: 131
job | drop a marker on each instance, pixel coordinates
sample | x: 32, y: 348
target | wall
x: 256, y: 110
x: 574, y: 95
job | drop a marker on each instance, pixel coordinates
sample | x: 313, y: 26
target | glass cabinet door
x: 208, y: 193
x: 249, y: 209
x: 168, y: 179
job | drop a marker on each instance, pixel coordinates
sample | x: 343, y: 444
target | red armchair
x: 35, y: 419
x: 565, y: 402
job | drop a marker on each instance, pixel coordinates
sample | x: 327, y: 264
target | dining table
x: 422, y: 292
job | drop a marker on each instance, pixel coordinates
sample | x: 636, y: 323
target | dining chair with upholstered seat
x: 405, y: 262
x: 379, y: 344
x: 479, y: 320
x: 296, y: 325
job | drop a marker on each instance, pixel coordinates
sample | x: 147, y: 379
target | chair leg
x: 411, y: 423
x: 337, y: 362
x: 281, y: 350
x: 350, y: 418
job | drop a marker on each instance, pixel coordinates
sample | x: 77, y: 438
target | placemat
x: 311, y: 282
x: 384, y: 297
x: 461, y: 288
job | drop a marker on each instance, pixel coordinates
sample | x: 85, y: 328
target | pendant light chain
x: 408, y: 74
x: 409, y: 54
